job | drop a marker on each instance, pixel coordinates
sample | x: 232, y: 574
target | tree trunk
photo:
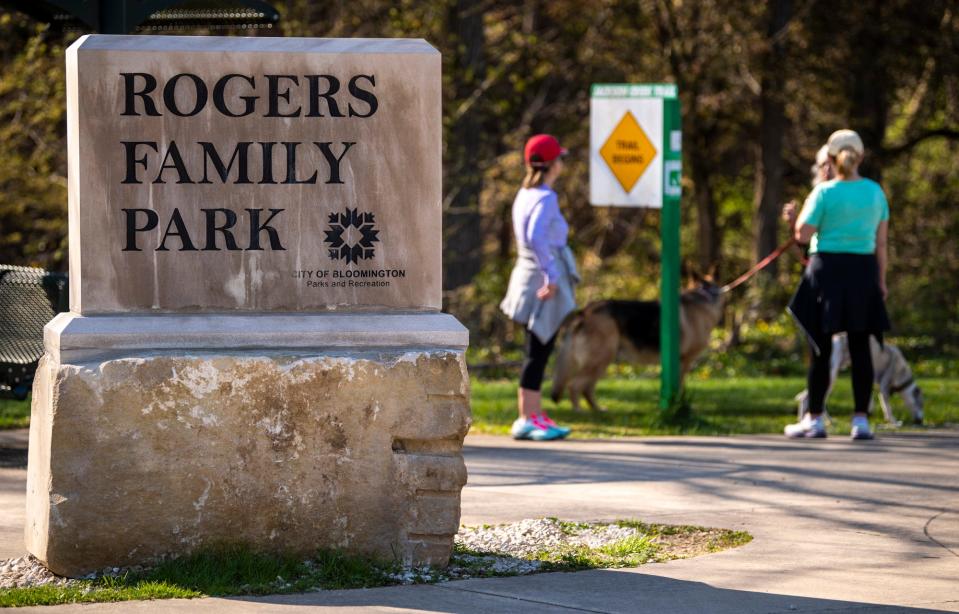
x: 772, y: 125
x: 707, y: 226
x: 463, y: 250
x: 870, y: 82
x: 698, y: 130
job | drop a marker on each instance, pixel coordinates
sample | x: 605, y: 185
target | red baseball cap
x: 542, y: 149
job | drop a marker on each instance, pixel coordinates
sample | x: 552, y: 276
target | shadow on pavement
x: 13, y: 448
x: 774, y: 475
x: 650, y: 460
x: 590, y: 591
x: 571, y: 464
x: 13, y: 458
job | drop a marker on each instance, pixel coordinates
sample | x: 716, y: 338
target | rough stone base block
x: 135, y: 458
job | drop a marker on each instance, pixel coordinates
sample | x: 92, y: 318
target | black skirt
x: 840, y: 293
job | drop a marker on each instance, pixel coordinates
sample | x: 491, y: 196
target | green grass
x: 225, y: 570
x: 639, y: 547
x: 14, y: 414
x: 231, y: 570
x: 720, y: 406
x: 720, y: 540
x: 91, y: 592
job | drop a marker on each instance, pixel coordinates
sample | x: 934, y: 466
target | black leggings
x: 862, y: 375
x: 534, y: 366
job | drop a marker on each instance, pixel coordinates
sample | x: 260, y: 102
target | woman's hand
x: 547, y: 292
x: 790, y: 213
x: 882, y: 237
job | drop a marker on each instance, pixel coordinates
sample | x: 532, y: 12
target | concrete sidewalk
x: 13, y: 491
x: 838, y: 526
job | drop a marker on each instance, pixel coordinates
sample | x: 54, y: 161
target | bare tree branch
x: 891, y: 152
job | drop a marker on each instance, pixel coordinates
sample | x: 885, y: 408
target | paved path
x: 13, y: 488
x: 839, y: 527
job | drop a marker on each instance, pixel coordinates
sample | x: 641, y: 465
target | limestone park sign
x: 291, y: 174
x: 254, y: 351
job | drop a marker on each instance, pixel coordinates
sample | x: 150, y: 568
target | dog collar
x: 902, y: 386
x: 706, y: 294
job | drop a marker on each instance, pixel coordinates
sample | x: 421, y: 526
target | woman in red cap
x: 540, y: 293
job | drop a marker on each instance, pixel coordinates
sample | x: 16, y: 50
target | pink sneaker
x: 544, y: 421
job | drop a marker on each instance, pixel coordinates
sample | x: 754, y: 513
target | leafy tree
x: 33, y: 183
x: 761, y: 84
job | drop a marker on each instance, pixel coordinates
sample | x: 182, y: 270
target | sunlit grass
x: 14, y: 414
x: 721, y: 406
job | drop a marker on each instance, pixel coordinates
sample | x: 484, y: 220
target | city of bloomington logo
x: 351, y: 236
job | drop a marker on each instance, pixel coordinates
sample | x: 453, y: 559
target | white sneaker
x: 806, y: 428
x: 860, y: 428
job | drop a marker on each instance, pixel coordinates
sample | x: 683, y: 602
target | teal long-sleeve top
x: 846, y: 215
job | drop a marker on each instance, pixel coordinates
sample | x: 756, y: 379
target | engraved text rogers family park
x: 320, y: 96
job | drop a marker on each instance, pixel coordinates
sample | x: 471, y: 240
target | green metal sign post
x: 636, y: 161
x: 669, y: 237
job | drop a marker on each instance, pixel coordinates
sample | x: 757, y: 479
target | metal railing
x: 29, y: 298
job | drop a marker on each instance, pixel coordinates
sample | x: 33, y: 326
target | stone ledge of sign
x: 287, y: 44
x: 71, y: 335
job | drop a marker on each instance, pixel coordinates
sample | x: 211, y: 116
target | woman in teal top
x: 845, y: 221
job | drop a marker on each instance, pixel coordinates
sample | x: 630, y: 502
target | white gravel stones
x: 523, y: 538
x: 415, y: 575
x: 467, y: 566
x: 527, y: 537
x: 27, y: 571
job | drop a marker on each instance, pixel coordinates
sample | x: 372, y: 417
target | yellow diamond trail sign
x: 628, y: 151
x: 635, y: 144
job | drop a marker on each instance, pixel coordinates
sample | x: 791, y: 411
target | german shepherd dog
x: 605, y: 331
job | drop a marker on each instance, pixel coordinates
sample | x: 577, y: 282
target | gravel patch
x: 27, y: 571
x: 517, y: 548
x: 529, y: 537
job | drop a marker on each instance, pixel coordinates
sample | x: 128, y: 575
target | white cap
x: 822, y: 156
x: 844, y: 139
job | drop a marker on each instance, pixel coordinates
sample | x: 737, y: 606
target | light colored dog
x: 605, y: 331
x: 892, y: 375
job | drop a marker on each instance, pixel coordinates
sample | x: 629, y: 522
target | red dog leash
x: 759, y: 266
